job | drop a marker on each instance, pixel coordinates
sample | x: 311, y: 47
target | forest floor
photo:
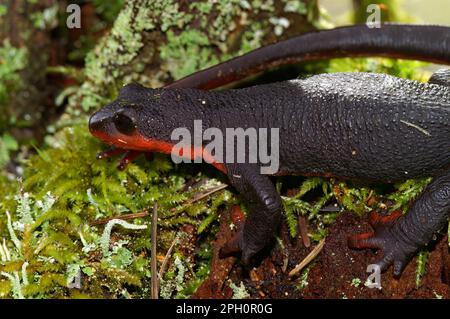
x: 337, y: 271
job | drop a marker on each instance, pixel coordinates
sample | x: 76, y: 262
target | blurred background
x: 429, y: 12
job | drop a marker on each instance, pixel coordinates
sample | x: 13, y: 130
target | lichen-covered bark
x: 157, y: 41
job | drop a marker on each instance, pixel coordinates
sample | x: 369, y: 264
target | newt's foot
x: 110, y: 153
x: 234, y: 245
x: 237, y: 244
x: 128, y: 156
x: 395, y: 250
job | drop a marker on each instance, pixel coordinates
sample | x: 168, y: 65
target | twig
x: 154, y: 264
x: 313, y: 254
x: 304, y: 231
x: 144, y: 213
x: 369, y: 197
x: 162, y: 269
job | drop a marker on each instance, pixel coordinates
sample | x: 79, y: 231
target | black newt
x: 358, y: 126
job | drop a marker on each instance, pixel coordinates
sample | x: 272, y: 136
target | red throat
x: 140, y: 143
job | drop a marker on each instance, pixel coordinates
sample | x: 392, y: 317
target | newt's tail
x: 416, y: 42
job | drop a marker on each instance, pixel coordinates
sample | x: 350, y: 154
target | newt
x: 357, y: 126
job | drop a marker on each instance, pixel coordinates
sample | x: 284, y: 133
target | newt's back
x: 371, y: 126
x: 354, y: 125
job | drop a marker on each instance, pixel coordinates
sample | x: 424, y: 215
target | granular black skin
x: 359, y: 126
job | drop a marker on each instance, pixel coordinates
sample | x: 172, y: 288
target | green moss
x: 202, y: 7
x: 407, y: 191
x: 104, y: 65
x: 421, y: 267
x: 3, y: 10
x: 12, y: 61
x: 65, y: 189
x: 7, y: 145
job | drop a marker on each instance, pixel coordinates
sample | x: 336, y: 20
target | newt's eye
x: 124, y: 124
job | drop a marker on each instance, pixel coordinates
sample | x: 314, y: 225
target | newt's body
x: 370, y: 127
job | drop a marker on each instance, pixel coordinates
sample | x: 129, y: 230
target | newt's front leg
x: 264, y: 205
x: 400, y: 238
x: 127, y: 158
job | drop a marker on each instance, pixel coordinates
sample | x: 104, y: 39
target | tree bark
x: 156, y: 42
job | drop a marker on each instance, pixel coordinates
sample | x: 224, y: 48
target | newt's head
x: 136, y: 120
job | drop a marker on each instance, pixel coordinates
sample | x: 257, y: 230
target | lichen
x: 239, y: 292
x: 106, y: 236
x: 303, y: 280
x: 187, y: 52
x: 146, y: 31
x: 45, y: 19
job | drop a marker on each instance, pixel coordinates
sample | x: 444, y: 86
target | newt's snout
x: 101, y: 126
x: 97, y: 123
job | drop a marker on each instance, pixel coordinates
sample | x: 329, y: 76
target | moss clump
x: 12, y: 61
x: 63, y: 192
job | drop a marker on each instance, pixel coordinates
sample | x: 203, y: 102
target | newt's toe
x: 363, y: 241
x: 232, y: 247
x: 378, y: 220
x: 129, y: 157
x: 399, y: 266
x: 237, y: 244
x: 394, y: 250
x: 110, y: 153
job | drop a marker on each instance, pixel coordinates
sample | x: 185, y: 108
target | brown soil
x: 332, y: 271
